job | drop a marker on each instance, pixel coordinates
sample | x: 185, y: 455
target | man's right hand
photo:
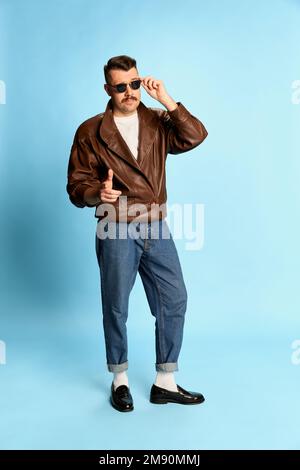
x: 107, y: 193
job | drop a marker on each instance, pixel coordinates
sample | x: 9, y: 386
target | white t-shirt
x: 129, y: 129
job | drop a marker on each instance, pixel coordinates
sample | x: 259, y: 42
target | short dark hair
x: 123, y: 62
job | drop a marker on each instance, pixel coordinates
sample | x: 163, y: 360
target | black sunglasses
x: 121, y: 87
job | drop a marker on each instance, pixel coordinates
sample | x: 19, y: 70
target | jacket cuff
x: 80, y: 194
x: 179, y: 114
x: 91, y: 195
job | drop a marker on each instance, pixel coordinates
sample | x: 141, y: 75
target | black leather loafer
x: 121, y: 398
x: 160, y: 396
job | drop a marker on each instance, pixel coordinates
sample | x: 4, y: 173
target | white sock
x: 120, y: 378
x: 166, y: 380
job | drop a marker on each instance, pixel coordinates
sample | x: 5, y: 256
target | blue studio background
x: 234, y: 65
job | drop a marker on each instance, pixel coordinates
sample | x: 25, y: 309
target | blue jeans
x: 142, y: 248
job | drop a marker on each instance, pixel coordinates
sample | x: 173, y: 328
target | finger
x: 109, y: 197
x: 103, y: 199
x: 112, y: 192
x: 147, y: 79
x: 110, y: 174
x: 154, y: 84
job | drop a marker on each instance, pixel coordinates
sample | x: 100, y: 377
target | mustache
x: 130, y: 98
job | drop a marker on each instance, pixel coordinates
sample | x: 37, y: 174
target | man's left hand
x: 156, y: 89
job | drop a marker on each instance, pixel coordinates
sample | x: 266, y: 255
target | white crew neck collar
x: 132, y: 116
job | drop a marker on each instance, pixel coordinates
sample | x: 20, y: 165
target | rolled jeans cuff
x: 117, y: 367
x: 167, y: 367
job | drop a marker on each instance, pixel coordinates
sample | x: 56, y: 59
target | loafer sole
x: 123, y: 410
x: 164, y: 401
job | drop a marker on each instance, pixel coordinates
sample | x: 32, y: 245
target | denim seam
x: 102, y: 289
x: 103, y: 302
x: 161, y: 316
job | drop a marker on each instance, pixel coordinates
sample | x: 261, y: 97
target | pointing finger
x: 110, y: 174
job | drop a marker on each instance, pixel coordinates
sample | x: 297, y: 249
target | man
x: 121, y: 154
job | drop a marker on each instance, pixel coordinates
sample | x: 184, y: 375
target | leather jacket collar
x: 109, y: 133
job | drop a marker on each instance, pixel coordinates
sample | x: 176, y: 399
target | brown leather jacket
x: 98, y: 146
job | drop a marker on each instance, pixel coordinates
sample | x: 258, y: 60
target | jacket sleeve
x: 183, y: 130
x: 84, y: 171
